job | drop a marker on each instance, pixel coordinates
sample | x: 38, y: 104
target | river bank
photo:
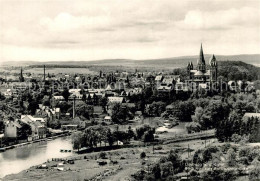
x: 2, y: 149
x: 118, y: 165
x: 14, y: 160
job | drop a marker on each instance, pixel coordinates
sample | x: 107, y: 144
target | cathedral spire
x: 21, y: 75
x: 201, y: 60
x: 201, y: 65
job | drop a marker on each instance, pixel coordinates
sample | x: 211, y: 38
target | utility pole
x: 188, y: 150
x: 74, y: 107
x: 44, y: 72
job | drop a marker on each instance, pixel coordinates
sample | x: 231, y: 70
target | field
x: 86, y: 166
x: 50, y: 70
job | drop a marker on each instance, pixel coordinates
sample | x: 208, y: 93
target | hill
x: 174, y: 62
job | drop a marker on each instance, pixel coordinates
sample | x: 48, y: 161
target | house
x: 181, y: 86
x: 11, y: 129
x: 158, y: 78
x: 38, y: 126
x: 57, y: 99
x: 107, y: 119
x: 8, y: 93
x: 250, y: 115
x: 114, y: 100
x: 76, y: 95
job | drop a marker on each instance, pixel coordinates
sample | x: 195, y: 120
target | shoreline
x: 3, y: 149
x: 86, y: 165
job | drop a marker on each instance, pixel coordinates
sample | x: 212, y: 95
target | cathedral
x: 203, y: 74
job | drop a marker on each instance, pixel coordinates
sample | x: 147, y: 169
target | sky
x: 69, y: 30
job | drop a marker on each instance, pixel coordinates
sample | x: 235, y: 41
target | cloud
x: 222, y: 19
x: 87, y: 30
x: 67, y: 22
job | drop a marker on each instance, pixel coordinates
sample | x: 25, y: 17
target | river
x: 21, y: 158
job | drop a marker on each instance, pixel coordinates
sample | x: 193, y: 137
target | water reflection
x: 18, y: 159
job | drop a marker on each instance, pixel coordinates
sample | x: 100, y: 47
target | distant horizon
x: 174, y: 57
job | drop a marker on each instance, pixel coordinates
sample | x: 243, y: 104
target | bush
x: 102, y: 155
x: 158, y: 148
x: 236, y: 138
x: 218, y: 174
x: 243, y: 160
x: 231, y: 157
x: 244, y: 152
x: 207, y: 153
x: 225, y: 147
x: 142, y: 155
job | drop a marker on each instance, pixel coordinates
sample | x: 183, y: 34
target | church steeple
x: 201, y: 65
x: 201, y: 60
x: 21, y: 76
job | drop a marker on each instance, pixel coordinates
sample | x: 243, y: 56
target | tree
x: 255, y: 172
x: 156, y: 170
x: 66, y: 94
x: 231, y: 157
x: 120, y: 114
x: 130, y: 133
x: 84, y: 97
x: 140, y: 132
x: 33, y: 105
x: 166, y: 168
x: 46, y: 103
x: 103, y: 103
x: 149, y: 136
x: 84, y: 110
x: 142, y: 155
x: 110, y: 138
x: 77, y: 140
x: 102, y: 155
x: 176, y: 160
x: 24, y: 132
x: 192, y: 127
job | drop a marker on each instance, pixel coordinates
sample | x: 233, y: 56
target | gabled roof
x: 249, y: 115
x: 212, y: 60
x: 115, y: 99
x: 58, y: 97
x: 198, y: 73
x: 15, y: 123
x: 158, y: 78
x: 107, y: 117
x: 28, y: 119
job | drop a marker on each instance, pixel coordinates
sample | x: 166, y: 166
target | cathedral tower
x: 201, y: 65
x: 213, y: 68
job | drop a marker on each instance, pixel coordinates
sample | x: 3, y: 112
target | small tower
x: 213, y: 68
x: 21, y: 78
x: 201, y: 65
x: 191, y: 65
x: 44, y: 72
x: 74, y: 107
x: 189, y: 68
